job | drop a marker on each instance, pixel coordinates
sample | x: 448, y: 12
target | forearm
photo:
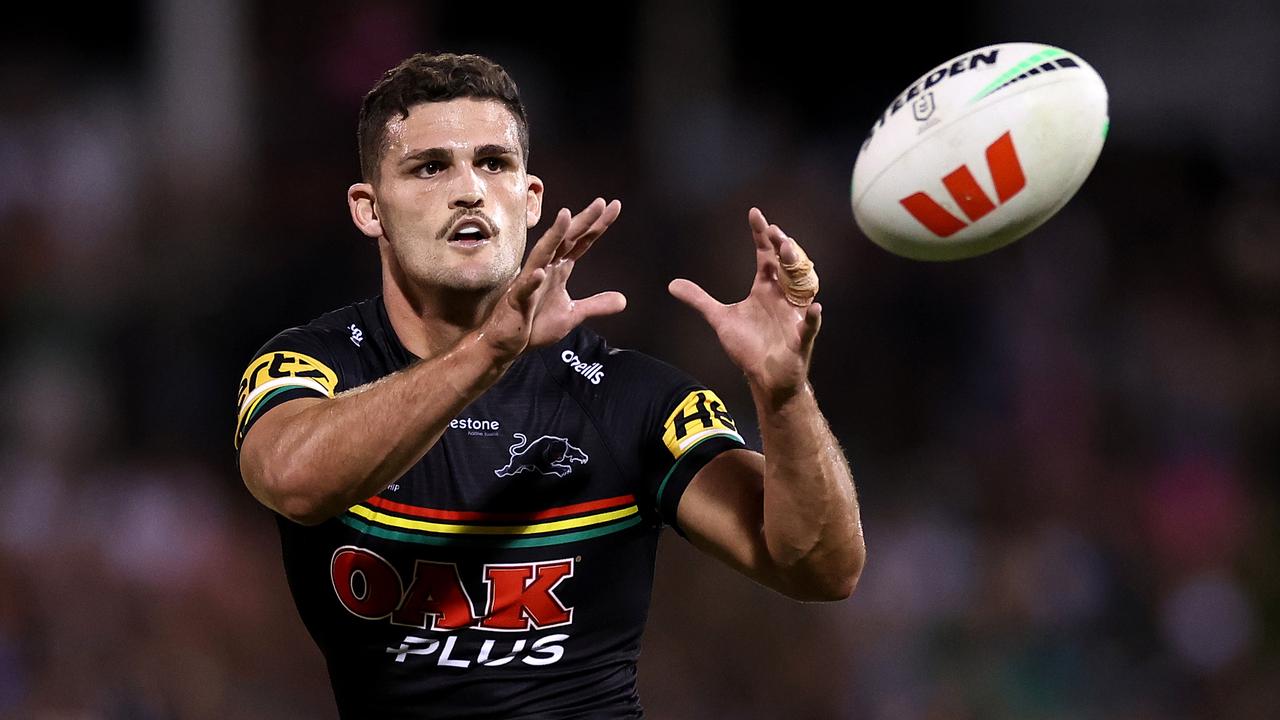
x: 811, y: 524
x: 337, y: 452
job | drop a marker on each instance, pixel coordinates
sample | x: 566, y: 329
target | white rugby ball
x: 979, y: 151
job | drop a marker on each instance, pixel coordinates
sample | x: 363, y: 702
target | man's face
x: 453, y: 196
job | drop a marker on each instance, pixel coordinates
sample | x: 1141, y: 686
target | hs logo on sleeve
x: 699, y: 416
x: 277, y: 372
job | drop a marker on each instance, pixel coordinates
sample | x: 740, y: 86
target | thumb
x: 689, y: 293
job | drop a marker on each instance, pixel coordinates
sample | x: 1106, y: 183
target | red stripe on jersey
x: 415, y: 511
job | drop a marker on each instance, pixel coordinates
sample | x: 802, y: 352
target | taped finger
x: 799, y: 279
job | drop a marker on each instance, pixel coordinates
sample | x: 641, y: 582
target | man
x: 469, y: 486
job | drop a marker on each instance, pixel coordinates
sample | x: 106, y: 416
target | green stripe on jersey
x: 662, y: 487
x: 561, y: 539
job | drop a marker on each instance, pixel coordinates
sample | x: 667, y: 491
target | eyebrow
x: 492, y: 149
x: 445, y: 154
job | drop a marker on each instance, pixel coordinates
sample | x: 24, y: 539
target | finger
x: 549, y: 243
x: 775, y: 237
x: 523, y: 291
x: 811, y: 323
x: 798, y: 278
x: 605, y: 303
x: 766, y: 263
x: 768, y: 249
x: 560, y: 271
x: 611, y: 212
x: 691, y: 294
x: 582, y: 222
x: 759, y: 228
x: 787, y: 251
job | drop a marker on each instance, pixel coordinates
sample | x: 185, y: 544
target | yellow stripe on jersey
x: 453, y: 529
x: 699, y: 416
x: 280, y: 369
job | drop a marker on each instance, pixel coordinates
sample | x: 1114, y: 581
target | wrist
x: 785, y: 399
x: 482, y: 362
x: 493, y: 349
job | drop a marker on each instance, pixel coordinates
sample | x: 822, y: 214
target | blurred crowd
x: 1066, y: 451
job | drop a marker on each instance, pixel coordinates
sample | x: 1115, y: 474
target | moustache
x: 463, y: 214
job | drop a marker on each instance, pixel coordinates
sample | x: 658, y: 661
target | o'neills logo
x: 591, y: 371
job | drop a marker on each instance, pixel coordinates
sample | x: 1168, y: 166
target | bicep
x: 261, y: 455
x: 722, y: 513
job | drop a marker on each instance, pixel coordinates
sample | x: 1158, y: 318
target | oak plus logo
x: 521, y: 598
x: 1006, y: 175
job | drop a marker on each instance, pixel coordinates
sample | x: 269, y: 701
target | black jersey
x: 508, y: 573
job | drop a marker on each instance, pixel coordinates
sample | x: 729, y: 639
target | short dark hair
x: 433, y: 78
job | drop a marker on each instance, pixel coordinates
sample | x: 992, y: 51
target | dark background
x: 1066, y: 450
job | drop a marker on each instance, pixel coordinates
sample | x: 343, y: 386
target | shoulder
x: 308, y: 360
x: 337, y: 328
x: 316, y: 351
x: 329, y: 339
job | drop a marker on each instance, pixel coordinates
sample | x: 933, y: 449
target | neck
x: 430, y: 320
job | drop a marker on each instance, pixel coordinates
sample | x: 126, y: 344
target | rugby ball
x: 979, y: 151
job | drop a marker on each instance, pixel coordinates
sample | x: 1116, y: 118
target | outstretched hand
x: 766, y: 336
x: 536, y: 310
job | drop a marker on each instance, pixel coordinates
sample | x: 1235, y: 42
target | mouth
x: 470, y: 232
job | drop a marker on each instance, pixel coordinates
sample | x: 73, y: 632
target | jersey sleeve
x: 293, y: 364
x: 688, y: 425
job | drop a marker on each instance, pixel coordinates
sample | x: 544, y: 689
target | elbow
x: 836, y: 586
x: 845, y: 581
x: 834, y: 581
x: 289, y: 495
x: 304, y: 505
x: 852, y: 571
x: 303, y: 510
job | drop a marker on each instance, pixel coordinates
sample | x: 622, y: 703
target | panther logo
x: 548, y: 455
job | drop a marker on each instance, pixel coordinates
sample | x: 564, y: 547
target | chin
x: 469, y: 280
x: 470, y: 285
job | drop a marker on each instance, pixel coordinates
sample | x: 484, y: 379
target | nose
x: 466, y: 190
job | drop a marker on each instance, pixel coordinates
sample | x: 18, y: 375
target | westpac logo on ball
x: 1037, y: 115
x: 962, y: 186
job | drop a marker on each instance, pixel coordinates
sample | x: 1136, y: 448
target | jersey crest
x: 548, y: 455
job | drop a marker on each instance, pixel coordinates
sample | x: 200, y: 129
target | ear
x: 363, y: 205
x: 533, y: 201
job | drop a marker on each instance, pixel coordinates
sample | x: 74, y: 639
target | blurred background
x: 1066, y: 451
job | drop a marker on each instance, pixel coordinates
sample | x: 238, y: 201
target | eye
x: 493, y: 164
x: 429, y: 168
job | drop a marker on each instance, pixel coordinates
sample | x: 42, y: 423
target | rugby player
x: 468, y: 484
